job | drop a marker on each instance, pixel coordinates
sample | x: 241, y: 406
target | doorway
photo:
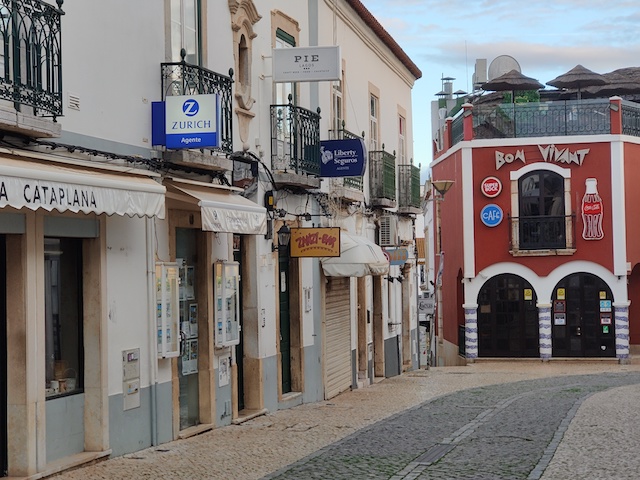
x: 507, y: 318
x: 186, y: 254
x: 582, y: 317
x: 3, y: 359
x: 237, y: 257
x: 285, y: 320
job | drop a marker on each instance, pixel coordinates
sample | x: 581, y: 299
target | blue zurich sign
x: 491, y: 215
x: 342, y: 158
x: 186, y: 121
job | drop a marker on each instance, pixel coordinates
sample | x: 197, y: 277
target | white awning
x: 359, y: 256
x: 65, y: 188
x: 223, y: 211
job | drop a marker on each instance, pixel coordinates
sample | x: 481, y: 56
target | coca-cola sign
x: 592, y: 211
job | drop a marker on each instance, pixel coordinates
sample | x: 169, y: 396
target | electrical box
x: 167, y: 309
x: 227, y: 303
x: 131, y: 378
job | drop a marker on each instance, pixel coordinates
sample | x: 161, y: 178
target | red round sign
x: 491, y: 187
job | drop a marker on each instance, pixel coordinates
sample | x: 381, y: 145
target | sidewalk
x: 268, y: 443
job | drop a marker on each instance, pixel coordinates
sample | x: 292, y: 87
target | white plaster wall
x: 129, y: 316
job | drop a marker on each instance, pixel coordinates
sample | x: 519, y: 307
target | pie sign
x: 491, y: 187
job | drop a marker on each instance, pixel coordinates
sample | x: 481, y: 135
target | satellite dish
x: 501, y: 65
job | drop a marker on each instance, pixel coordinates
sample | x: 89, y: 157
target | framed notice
x: 605, y: 319
x: 559, y: 319
x: 559, y: 306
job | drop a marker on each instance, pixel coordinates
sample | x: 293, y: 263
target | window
x: 185, y: 31
x: 284, y: 89
x: 541, y: 205
x: 63, y: 316
x: 373, y: 122
x: 402, y: 157
x: 337, y: 106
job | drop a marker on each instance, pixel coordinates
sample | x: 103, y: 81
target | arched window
x: 542, y: 219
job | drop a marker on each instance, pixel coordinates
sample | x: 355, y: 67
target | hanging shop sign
x: 306, y: 64
x: 491, y: 187
x: 491, y: 215
x: 342, y: 158
x: 315, y: 242
x: 186, y: 121
x: 397, y: 256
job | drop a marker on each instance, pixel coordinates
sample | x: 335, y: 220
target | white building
x: 145, y: 293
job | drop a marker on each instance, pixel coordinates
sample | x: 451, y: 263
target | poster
x: 559, y: 319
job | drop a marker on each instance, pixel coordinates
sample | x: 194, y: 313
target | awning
x: 66, y: 188
x: 358, y: 257
x: 420, y: 244
x: 224, y: 211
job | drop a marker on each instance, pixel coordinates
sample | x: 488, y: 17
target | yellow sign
x: 315, y: 242
x: 528, y: 294
x: 560, y: 294
x: 603, y: 295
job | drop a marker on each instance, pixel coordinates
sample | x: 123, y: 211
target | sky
x: 445, y: 37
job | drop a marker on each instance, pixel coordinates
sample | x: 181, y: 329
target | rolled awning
x: 359, y: 256
x: 63, y: 187
x: 224, y: 211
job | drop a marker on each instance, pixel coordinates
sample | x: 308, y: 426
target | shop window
x: 542, y: 217
x: 63, y: 316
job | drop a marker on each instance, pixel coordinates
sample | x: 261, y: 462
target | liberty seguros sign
x: 342, y: 158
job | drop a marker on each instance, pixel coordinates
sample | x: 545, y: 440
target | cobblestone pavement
x: 498, y: 420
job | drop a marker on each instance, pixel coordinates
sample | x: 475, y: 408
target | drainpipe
x: 151, y: 306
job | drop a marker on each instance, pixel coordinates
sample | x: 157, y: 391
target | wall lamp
x: 284, y: 237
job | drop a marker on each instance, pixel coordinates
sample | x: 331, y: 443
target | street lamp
x: 441, y: 187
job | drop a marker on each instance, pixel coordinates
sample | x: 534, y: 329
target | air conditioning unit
x: 387, y: 234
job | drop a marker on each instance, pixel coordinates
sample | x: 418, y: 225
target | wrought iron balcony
x: 409, y: 200
x: 382, y: 178
x: 552, y: 232
x: 355, y: 183
x: 295, y: 139
x: 31, y: 55
x: 181, y: 78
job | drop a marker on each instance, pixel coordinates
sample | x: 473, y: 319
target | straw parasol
x: 619, y: 82
x: 578, y: 77
x: 513, y: 80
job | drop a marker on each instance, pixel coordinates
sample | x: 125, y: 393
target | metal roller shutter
x: 337, y: 341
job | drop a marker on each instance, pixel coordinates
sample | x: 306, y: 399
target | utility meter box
x: 167, y: 309
x: 227, y: 303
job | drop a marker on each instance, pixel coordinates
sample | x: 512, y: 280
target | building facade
x: 149, y: 291
x: 538, y: 231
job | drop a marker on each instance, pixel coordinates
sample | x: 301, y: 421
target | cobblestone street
x: 496, y: 420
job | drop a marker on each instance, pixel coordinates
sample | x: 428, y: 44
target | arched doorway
x: 582, y: 317
x: 507, y: 318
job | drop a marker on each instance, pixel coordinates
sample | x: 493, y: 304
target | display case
x: 227, y: 303
x: 167, y: 309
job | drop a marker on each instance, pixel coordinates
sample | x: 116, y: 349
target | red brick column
x: 615, y: 112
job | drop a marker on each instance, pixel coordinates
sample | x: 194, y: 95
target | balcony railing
x: 295, y: 139
x: 542, y: 232
x: 630, y: 118
x: 382, y: 175
x: 31, y: 55
x: 408, y: 186
x: 517, y: 120
x: 355, y: 183
x: 181, y: 78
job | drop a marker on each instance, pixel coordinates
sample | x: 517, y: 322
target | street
x: 495, y: 420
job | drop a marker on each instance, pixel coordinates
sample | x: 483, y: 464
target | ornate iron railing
x: 382, y: 174
x: 295, y: 139
x: 630, y: 118
x: 181, y: 78
x: 516, y: 120
x: 542, y: 232
x: 31, y: 55
x: 408, y: 186
x: 356, y: 183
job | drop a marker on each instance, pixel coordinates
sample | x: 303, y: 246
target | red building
x: 540, y: 230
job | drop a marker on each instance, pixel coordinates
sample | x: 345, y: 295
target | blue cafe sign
x: 186, y: 121
x: 342, y: 158
x: 491, y: 215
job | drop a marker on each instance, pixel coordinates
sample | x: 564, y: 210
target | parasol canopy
x: 578, y: 77
x: 513, y: 80
x: 619, y: 82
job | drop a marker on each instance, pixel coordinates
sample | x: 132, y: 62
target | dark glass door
x: 582, y: 317
x: 507, y: 318
x: 285, y: 321
x: 237, y: 256
x: 3, y: 358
